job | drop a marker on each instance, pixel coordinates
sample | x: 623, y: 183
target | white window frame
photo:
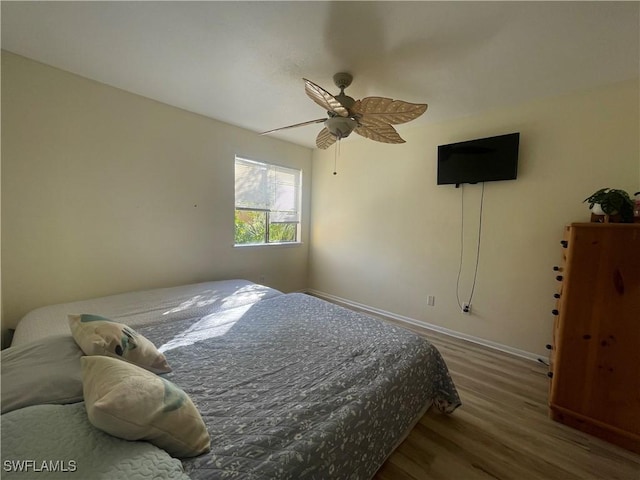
x: 274, y: 190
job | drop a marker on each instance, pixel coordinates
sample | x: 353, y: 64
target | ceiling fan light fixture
x: 340, y: 127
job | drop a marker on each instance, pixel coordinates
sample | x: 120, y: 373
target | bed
x: 288, y: 386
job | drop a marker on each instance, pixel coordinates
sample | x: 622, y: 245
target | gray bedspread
x: 293, y: 387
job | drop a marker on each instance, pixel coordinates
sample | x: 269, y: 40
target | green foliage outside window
x: 251, y: 228
x: 282, y: 232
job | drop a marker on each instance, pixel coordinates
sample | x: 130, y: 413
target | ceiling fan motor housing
x: 342, y: 81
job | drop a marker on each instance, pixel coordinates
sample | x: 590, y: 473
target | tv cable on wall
x: 466, y: 306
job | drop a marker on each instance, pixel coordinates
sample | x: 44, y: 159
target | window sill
x: 254, y: 245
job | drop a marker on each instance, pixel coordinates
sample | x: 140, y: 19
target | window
x: 267, y: 203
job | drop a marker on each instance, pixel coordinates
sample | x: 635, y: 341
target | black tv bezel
x: 505, y: 174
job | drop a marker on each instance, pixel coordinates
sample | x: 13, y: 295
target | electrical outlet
x: 466, y: 308
x: 431, y: 300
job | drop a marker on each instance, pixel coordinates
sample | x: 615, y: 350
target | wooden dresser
x: 595, y: 355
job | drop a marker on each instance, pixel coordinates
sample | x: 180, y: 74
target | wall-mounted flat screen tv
x: 482, y: 160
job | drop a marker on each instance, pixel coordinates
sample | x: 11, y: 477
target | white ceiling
x: 243, y: 62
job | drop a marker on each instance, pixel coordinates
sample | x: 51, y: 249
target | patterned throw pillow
x: 131, y: 403
x: 97, y: 335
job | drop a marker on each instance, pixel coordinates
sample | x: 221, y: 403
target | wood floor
x: 502, y: 430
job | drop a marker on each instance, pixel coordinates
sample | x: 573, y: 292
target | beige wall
x: 384, y: 235
x: 104, y: 192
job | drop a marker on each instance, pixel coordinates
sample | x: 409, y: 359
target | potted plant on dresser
x: 610, y: 205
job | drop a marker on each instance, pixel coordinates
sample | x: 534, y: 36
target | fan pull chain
x: 335, y: 157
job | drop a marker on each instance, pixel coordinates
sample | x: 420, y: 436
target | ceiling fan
x: 371, y: 117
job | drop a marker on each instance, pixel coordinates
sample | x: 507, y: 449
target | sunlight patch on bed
x: 246, y: 294
x: 214, y: 325
x: 242, y: 296
x: 195, y: 301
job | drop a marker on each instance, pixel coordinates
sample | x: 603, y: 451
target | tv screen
x: 482, y: 160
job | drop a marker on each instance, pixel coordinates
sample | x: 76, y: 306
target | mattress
x: 143, y: 307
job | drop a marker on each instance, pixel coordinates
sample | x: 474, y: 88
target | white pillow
x: 131, y: 403
x: 97, y: 335
x: 43, y: 371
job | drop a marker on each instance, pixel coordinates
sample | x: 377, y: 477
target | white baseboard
x: 452, y: 333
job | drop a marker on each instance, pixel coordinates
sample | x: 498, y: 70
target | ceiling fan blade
x: 325, y: 139
x: 310, y: 122
x: 376, y: 110
x: 324, y: 98
x: 380, y: 132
